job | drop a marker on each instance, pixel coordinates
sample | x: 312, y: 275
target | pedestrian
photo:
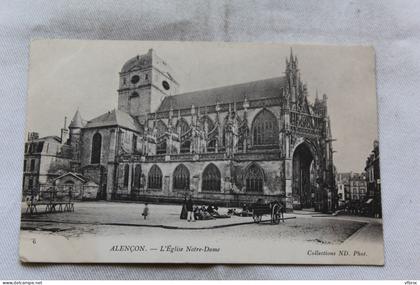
x: 190, y: 208
x: 184, y: 212
x: 282, y: 210
x: 145, y: 211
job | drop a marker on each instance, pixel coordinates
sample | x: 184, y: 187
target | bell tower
x: 144, y: 81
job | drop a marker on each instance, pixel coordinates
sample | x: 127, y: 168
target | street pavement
x: 117, y: 218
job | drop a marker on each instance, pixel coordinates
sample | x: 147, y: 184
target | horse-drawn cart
x: 273, y: 209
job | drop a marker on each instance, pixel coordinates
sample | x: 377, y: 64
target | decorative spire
x: 324, y: 105
x: 154, y: 121
x: 171, y: 113
x: 146, y: 123
x: 217, y: 107
x: 193, y: 120
x: 77, y: 121
x: 291, y: 55
x: 246, y: 104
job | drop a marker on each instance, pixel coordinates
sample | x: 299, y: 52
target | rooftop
x: 77, y: 121
x: 54, y: 139
x: 265, y: 88
x: 114, y: 118
x: 137, y: 62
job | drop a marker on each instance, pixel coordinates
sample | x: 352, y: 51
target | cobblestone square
x: 113, y: 219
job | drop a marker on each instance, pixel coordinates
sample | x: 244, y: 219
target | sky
x: 68, y: 75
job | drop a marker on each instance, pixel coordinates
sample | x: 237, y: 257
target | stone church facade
x: 227, y: 145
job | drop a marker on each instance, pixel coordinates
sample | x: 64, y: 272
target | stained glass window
x: 265, y: 129
x: 137, y: 176
x: 96, y: 148
x: 254, y: 179
x: 126, y: 174
x: 211, y: 178
x: 154, y: 178
x: 181, y: 178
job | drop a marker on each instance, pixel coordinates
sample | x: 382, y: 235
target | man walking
x: 282, y: 210
x: 145, y: 211
x: 190, y: 208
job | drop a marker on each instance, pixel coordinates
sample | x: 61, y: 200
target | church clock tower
x: 144, y: 81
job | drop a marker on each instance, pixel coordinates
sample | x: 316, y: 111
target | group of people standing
x: 191, y: 213
x: 187, y: 210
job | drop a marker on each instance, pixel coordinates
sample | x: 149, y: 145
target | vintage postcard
x: 199, y: 152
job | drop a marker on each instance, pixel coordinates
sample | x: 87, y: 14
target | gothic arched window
x: 185, y: 147
x: 182, y: 126
x: 137, y: 176
x: 211, y: 178
x: 161, y: 147
x: 265, y: 129
x: 254, y: 179
x: 211, y: 146
x: 161, y: 128
x: 241, y: 143
x: 181, y: 178
x: 126, y: 175
x: 207, y: 122
x: 154, y: 179
x: 96, y: 148
x: 134, y: 143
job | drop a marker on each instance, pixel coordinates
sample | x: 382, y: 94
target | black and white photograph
x: 201, y: 152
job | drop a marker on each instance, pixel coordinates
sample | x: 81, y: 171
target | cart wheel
x: 275, y: 214
x: 257, y: 218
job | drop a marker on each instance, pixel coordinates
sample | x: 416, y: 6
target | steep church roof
x: 266, y: 88
x: 77, y: 121
x: 114, y: 118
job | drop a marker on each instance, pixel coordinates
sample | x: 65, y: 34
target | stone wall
x: 86, y: 143
x: 141, y: 105
x: 232, y: 179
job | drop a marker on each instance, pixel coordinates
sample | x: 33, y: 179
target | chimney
x: 64, y: 132
x: 33, y: 136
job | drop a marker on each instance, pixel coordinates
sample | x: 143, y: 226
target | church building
x: 227, y: 145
